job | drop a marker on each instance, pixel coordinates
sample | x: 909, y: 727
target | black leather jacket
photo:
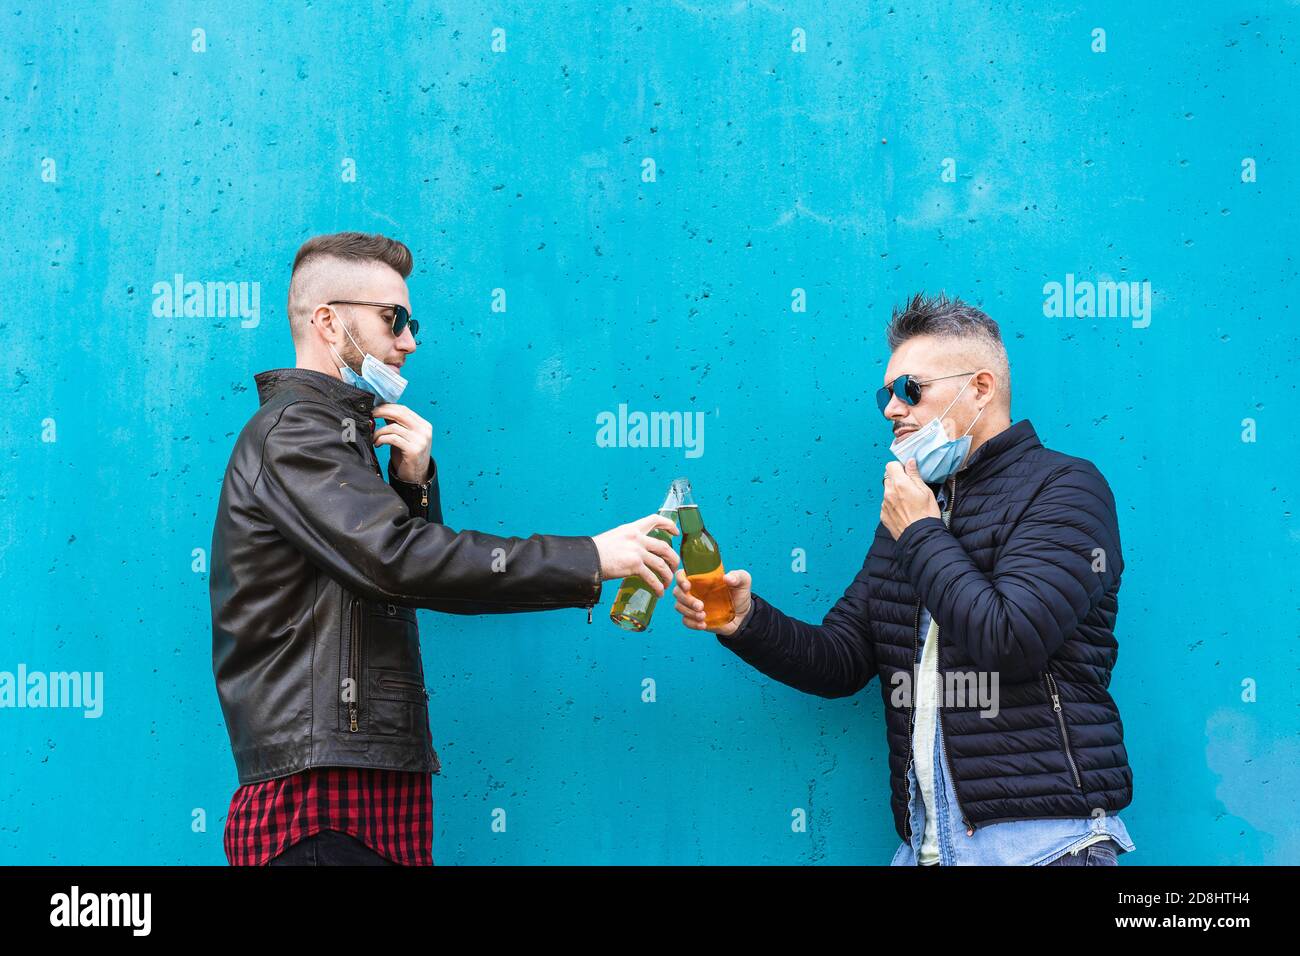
x: 318, y: 565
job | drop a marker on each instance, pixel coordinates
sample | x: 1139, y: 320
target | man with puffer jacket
x: 991, y: 587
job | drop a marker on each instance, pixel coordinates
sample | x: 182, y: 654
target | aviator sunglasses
x: 907, y: 389
x: 401, y: 317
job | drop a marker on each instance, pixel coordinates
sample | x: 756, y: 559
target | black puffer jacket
x: 1025, y: 583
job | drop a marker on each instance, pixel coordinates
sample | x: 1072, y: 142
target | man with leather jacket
x: 318, y: 565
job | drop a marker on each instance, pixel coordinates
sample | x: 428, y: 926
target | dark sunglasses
x: 907, y: 389
x: 401, y: 318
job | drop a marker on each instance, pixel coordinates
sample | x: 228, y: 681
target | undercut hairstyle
x: 972, y: 332
x: 321, y: 259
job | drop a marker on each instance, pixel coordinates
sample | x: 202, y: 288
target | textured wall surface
x: 857, y: 153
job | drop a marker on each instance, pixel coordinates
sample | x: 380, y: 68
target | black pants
x: 330, y: 848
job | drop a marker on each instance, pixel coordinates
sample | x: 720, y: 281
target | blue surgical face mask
x: 937, y: 456
x: 375, y: 376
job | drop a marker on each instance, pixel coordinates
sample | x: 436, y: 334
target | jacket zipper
x: 386, y: 681
x: 970, y: 827
x: 354, y: 658
x: 911, y: 721
x: 1054, y: 692
x: 956, y: 791
x: 916, y: 644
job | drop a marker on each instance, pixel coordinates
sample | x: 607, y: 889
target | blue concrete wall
x: 776, y: 170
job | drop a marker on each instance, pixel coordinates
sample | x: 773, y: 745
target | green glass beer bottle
x: 702, y: 562
x: 635, y: 601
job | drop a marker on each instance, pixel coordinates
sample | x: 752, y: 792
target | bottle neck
x: 689, y: 519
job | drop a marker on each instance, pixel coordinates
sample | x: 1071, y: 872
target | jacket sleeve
x: 833, y: 659
x: 321, y: 492
x: 1043, y: 583
x: 422, y: 499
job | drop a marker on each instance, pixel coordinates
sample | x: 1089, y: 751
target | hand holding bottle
x: 635, y: 602
x: 704, y: 574
x: 629, y: 550
x: 691, y: 608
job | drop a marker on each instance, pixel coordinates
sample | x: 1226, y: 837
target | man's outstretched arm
x: 319, y: 491
x: 833, y: 659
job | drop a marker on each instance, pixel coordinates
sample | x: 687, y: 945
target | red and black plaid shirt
x: 390, y: 811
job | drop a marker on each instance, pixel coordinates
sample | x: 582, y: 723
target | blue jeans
x: 330, y: 848
x: 1101, y: 853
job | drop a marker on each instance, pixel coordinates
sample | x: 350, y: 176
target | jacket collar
x: 1003, y: 449
x: 334, y: 390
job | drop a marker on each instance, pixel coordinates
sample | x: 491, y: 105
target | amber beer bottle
x: 635, y: 601
x: 702, y: 562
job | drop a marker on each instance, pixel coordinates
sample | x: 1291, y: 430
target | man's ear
x: 986, y: 384
x: 324, y: 320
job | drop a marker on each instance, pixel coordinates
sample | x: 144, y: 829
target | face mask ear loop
x: 974, y: 420
x: 942, y: 414
x: 352, y: 340
x: 349, y: 335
